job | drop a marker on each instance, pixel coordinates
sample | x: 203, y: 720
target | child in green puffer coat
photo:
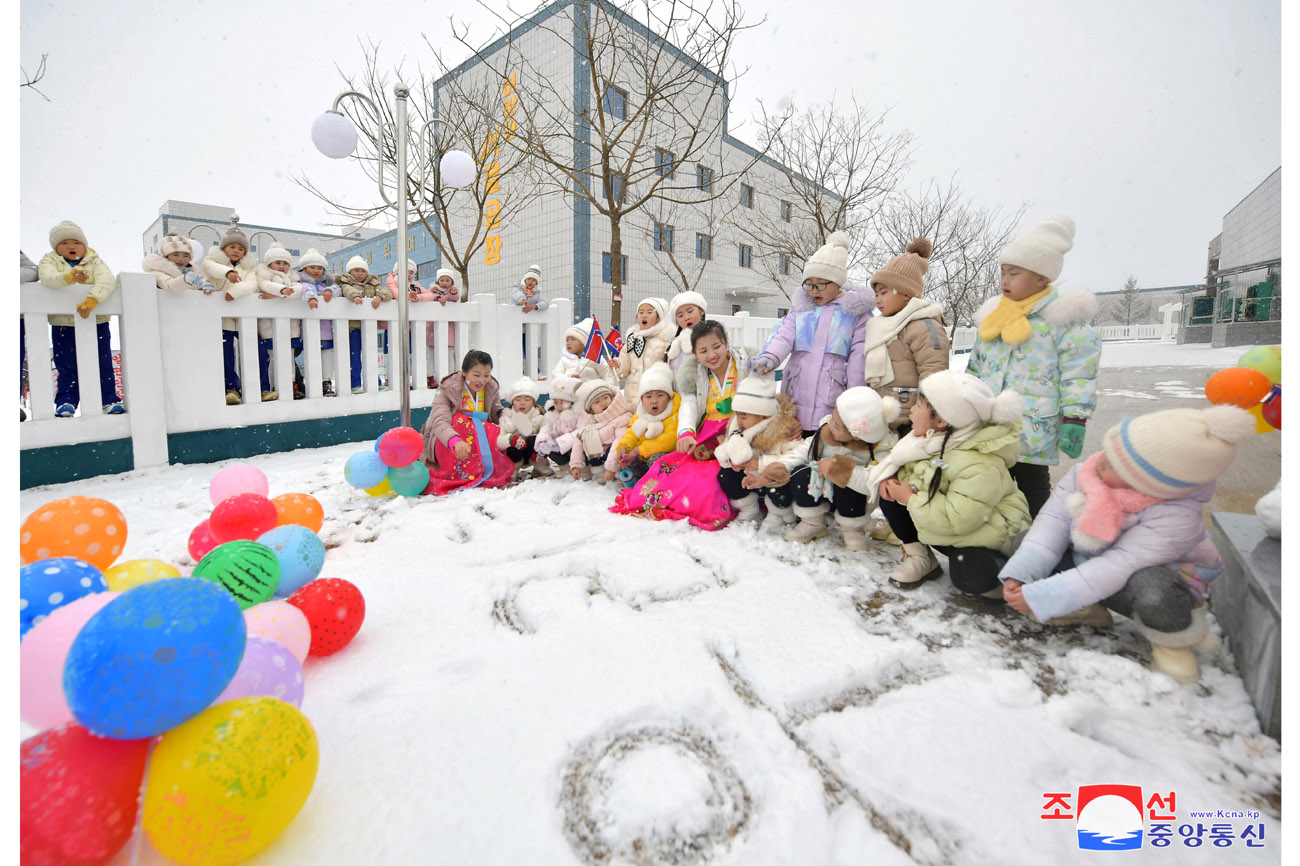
x: 946, y: 484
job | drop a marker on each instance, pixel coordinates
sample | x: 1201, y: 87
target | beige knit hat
x: 1169, y: 454
x: 904, y: 273
x: 175, y: 244
x: 962, y: 400
x: 590, y: 390
x: 234, y: 235
x: 831, y: 261
x: 66, y: 231
x: 865, y: 413
x: 1041, y: 248
x: 756, y: 395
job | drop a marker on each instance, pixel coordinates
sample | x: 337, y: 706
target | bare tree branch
x: 30, y: 80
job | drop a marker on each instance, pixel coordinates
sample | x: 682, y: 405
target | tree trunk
x: 616, y: 272
x: 464, y: 283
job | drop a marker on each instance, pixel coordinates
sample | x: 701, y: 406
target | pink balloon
x: 233, y: 480
x: 201, y: 541
x: 267, y: 669
x: 41, y: 657
x: 281, y: 622
x: 400, y: 446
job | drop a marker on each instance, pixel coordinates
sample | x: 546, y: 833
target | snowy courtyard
x: 541, y: 681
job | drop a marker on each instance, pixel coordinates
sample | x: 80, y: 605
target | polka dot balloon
x: 46, y: 586
x: 335, y: 609
x: 283, y: 623
x: 81, y: 526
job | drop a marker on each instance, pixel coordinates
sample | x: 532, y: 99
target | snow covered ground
x: 540, y: 681
x: 1150, y: 353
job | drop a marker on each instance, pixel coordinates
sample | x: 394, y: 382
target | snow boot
x: 884, y: 532
x: 232, y: 397
x: 746, y: 508
x: 268, y: 396
x: 994, y: 594
x: 778, y: 518
x: 1095, y: 615
x: 812, y: 523
x: 854, y: 531
x: 1177, y: 662
x: 1171, y: 652
x: 918, y: 566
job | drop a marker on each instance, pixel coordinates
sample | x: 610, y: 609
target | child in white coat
x: 520, y: 423
x: 277, y: 280
x: 555, y: 441
x: 764, y: 428
x: 233, y: 273
x: 645, y: 345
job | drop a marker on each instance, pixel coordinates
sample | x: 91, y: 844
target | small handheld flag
x: 595, y: 342
x: 613, y: 343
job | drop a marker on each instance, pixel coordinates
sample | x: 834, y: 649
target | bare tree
x: 1128, y: 307
x: 966, y: 242
x: 461, y: 222
x: 676, y: 254
x: 31, y: 80
x: 840, y: 166
x: 650, y: 130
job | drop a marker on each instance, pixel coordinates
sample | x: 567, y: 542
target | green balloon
x: 409, y: 480
x: 247, y: 570
x: 1266, y: 360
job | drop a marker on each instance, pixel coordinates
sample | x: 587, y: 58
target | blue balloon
x: 154, y: 657
x: 381, y: 436
x: 364, y: 470
x: 301, y: 555
x: 48, y: 584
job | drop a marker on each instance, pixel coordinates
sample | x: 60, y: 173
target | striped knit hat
x: 904, y: 273
x: 1169, y: 454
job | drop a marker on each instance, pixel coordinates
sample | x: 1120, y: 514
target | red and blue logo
x: 1109, y: 817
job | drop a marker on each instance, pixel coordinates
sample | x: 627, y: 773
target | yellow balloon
x: 1261, y: 426
x: 383, y: 488
x: 225, y: 784
x: 134, y: 572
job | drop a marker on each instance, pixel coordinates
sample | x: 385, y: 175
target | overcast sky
x: 1144, y: 120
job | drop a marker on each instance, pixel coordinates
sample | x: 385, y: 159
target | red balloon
x: 201, y: 541
x: 400, y: 446
x: 246, y: 516
x: 1272, y: 409
x: 79, y: 795
x: 335, y: 610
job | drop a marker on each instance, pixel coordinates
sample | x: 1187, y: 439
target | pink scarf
x: 1099, y: 510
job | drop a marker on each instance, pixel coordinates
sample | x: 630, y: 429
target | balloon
x: 383, y: 488
x: 335, y: 609
x: 80, y: 526
x: 283, y: 623
x: 41, y: 658
x: 1264, y: 359
x: 226, y: 783
x: 249, y: 571
x: 1271, y: 410
x: 201, y: 541
x: 244, y: 515
x: 300, y: 509
x: 79, y: 794
x: 1237, y: 386
x: 136, y: 572
x: 1261, y: 424
x: 300, y: 553
x: 45, y: 586
x: 400, y: 446
x: 153, y: 657
x: 237, y: 479
x: 267, y: 670
x: 409, y: 480
x: 364, y: 469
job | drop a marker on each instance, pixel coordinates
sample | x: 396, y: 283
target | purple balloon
x: 267, y: 670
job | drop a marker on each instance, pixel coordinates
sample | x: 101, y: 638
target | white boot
x: 746, y: 508
x: 884, y: 532
x: 918, y: 566
x: 1171, y: 652
x: 812, y: 523
x: 854, y: 531
x: 778, y: 518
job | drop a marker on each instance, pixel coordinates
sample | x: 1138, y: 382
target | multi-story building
x: 206, y: 223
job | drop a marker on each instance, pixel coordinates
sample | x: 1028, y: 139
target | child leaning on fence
x: 233, y: 273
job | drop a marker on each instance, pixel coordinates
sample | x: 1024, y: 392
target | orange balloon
x: 1237, y: 386
x: 299, y: 509
x: 81, y: 526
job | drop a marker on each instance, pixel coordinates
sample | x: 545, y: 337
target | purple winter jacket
x: 825, y: 349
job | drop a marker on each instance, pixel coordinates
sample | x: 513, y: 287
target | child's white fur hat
x: 312, y: 257
x: 658, y: 378
x: 175, y: 243
x: 865, y: 413
x: 66, y: 231
x: 357, y: 262
x: 566, y: 389
x: 962, y: 400
x: 276, y: 253
x: 684, y: 299
x: 755, y: 395
x: 523, y: 387
x: 581, y: 330
x: 443, y: 272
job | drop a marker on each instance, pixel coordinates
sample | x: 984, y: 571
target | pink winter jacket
x: 557, y: 430
x: 609, y: 425
x: 433, y: 293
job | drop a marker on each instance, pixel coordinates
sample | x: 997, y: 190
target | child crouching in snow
x: 654, y: 427
x: 947, y: 484
x: 764, y: 428
x: 1124, y: 531
x: 828, y: 470
x: 520, y: 423
x: 555, y: 441
x: 605, y: 417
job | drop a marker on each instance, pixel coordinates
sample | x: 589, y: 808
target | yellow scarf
x: 718, y: 407
x: 472, y: 402
x: 1009, y: 320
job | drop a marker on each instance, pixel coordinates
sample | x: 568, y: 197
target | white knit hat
x: 565, y: 388
x: 1042, y: 247
x: 66, y: 231
x: 276, y: 253
x: 658, y: 378
x: 534, y: 271
x: 865, y: 413
x: 659, y: 305
x: 197, y: 249
x: 755, y: 394
x: 523, y: 387
x: 410, y: 266
x: 962, y: 400
x: 830, y: 262
x: 590, y: 390
x: 1168, y: 454
x: 581, y: 330
x: 175, y: 243
x: 682, y: 299
x: 357, y: 262
x: 443, y: 272
x: 312, y: 257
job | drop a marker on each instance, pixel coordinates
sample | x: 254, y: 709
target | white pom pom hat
x: 962, y: 400
x: 865, y: 413
x: 1171, y: 453
x: 523, y: 387
x: 1042, y: 247
x: 830, y: 262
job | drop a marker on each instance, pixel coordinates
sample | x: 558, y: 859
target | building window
x: 704, y: 178
x: 746, y: 195
x: 426, y: 270
x: 607, y: 270
x: 294, y: 252
x: 615, y: 102
x: 785, y: 265
x: 614, y: 183
x: 785, y: 211
x: 746, y: 256
x: 735, y: 308
x: 663, y: 238
x: 703, y: 246
x: 664, y: 160
x: 781, y: 312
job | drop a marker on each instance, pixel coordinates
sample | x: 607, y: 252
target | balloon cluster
x: 206, y: 670
x: 393, y: 467
x: 1255, y: 385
